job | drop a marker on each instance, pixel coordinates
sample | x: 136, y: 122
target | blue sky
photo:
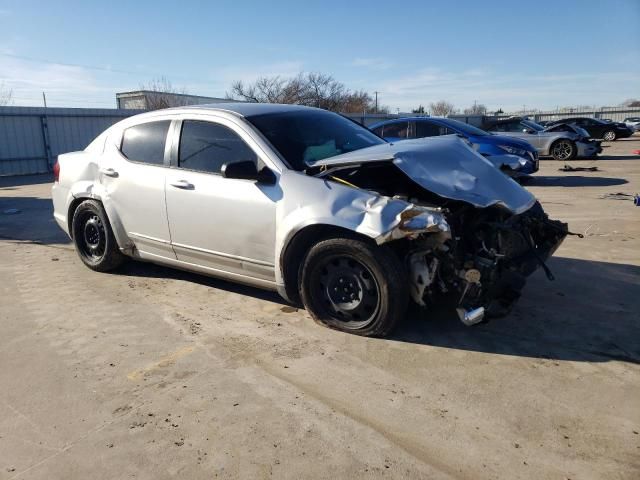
x: 504, y: 54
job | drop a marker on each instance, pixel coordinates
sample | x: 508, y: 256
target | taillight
x: 56, y: 171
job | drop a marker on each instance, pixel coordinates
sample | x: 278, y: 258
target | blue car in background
x: 517, y: 158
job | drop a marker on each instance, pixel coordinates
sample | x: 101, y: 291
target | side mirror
x: 247, y: 170
x: 243, y: 170
x: 527, y: 130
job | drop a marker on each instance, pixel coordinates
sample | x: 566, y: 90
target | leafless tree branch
x: 442, y: 108
x: 6, y: 94
x: 163, y: 94
x: 310, y: 89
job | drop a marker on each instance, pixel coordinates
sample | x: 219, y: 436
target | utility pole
x: 376, y: 92
x: 44, y: 99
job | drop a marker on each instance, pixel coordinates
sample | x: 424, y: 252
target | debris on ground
x: 569, y: 168
x: 617, y: 196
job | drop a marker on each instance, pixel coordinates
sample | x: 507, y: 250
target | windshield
x: 533, y: 125
x: 464, y: 127
x: 307, y: 136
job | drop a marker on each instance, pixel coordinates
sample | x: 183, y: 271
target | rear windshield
x: 310, y: 135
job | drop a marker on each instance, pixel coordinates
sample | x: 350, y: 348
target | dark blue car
x: 498, y: 149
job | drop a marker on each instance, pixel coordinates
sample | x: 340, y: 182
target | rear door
x: 133, y: 172
x: 218, y: 223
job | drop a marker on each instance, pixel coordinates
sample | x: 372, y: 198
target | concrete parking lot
x: 153, y: 373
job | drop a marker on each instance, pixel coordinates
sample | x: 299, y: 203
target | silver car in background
x: 633, y: 123
x: 559, y: 145
x: 310, y: 204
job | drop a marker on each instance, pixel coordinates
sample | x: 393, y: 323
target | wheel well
x: 294, y: 253
x: 72, y: 209
x: 564, y: 139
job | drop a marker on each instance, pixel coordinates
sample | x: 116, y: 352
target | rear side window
x: 396, y: 130
x: 426, y: 129
x: 145, y: 142
x: 206, y: 146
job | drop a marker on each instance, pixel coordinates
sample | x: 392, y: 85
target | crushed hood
x: 447, y: 167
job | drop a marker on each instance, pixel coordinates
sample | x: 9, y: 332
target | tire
x: 609, y: 135
x: 354, y: 286
x: 563, y: 149
x: 93, y: 238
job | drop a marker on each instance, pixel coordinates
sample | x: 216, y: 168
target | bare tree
x: 631, y: 102
x: 420, y: 109
x: 476, y: 109
x: 310, y: 89
x: 162, y: 94
x: 5, y: 95
x: 442, y: 108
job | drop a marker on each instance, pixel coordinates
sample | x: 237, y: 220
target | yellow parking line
x: 165, y: 361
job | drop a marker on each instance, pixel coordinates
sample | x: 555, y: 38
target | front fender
x: 314, y: 201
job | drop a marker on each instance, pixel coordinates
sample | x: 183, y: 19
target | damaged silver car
x: 310, y: 204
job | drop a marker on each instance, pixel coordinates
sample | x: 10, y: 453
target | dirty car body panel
x: 458, y: 226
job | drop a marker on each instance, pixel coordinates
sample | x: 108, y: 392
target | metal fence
x: 31, y: 138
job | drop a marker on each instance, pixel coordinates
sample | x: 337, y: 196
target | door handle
x: 183, y: 184
x: 109, y: 172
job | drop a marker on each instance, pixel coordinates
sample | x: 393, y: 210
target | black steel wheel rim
x: 91, y: 237
x: 346, y: 291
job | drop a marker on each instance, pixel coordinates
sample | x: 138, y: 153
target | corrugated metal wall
x: 31, y: 138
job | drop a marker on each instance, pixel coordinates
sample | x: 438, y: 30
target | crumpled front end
x: 484, y: 264
x: 466, y: 233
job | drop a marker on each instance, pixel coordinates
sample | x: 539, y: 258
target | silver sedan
x: 310, y: 204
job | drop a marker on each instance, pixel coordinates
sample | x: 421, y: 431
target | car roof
x: 405, y: 119
x: 246, y: 109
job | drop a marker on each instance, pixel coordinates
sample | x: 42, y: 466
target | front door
x: 219, y: 223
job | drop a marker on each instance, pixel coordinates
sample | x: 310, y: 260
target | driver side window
x: 206, y: 146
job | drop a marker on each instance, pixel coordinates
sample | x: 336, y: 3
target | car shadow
x: 29, y: 219
x: 573, y: 181
x: 617, y: 157
x: 20, y: 180
x: 151, y: 270
x: 589, y: 313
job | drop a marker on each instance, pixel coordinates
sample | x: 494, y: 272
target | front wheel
x: 354, y: 286
x: 563, y: 150
x: 93, y: 237
x: 609, y: 135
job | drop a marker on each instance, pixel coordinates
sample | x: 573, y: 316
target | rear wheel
x: 93, y: 237
x: 609, y: 135
x: 563, y: 150
x: 354, y: 286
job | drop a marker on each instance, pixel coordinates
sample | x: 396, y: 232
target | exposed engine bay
x: 476, y: 257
